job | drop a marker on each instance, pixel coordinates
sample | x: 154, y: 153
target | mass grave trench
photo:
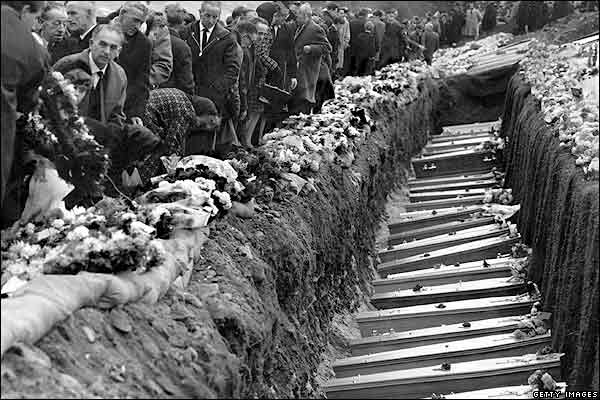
x: 255, y: 318
x: 559, y: 220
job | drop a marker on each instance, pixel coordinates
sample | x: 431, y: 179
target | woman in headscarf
x: 174, y: 117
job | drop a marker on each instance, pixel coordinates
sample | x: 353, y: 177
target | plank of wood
x: 458, y: 136
x: 437, y: 242
x: 455, y: 351
x: 429, y: 315
x: 449, y: 202
x: 415, y: 220
x: 418, y: 182
x: 438, y: 334
x: 500, y: 63
x: 504, y: 392
x: 434, y: 230
x: 472, y: 184
x: 470, y: 128
x: 444, y: 194
x: 458, y: 143
x: 465, y: 376
x: 469, y: 161
x: 489, y: 287
x: 444, y: 274
x: 473, y: 251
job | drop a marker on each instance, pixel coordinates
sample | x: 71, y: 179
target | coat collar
x: 218, y: 34
x: 301, y: 30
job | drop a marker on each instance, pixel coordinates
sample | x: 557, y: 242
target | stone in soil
x: 89, y: 333
x: 120, y: 320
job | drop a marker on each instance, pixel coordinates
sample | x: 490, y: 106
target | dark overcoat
x: 309, y: 65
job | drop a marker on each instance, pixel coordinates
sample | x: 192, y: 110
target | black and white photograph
x: 299, y: 200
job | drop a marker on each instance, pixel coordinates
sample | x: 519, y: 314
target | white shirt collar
x: 210, y: 30
x: 94, y: 70
x: 40, y: 39
x: 88, y: 31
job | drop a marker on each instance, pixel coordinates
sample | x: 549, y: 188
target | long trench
x: 449, y: 315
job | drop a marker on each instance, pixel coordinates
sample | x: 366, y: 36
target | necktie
x: 100, y: 90
x: 204, y: 38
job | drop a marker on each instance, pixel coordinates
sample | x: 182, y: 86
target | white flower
x: 119, y: 235
x: 128, y: 216
x: 238, y: 187
x: 17, y: 247
x: 29, y: 229
x: 139, y: 228
x: 78, y: 210
x: 79, y: 233
x: 295, y: 168
x: 314, y: 166
x: 206, y: 184
x: 93, y: 244
x: 223, y: 198
x: 29, y: 251
x: 35, y: 269
x: 58, y: 224
x: 16, y: 268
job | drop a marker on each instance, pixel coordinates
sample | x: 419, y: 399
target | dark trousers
x: 298, y: 106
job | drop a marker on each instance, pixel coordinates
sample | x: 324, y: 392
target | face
x: 209, y: 16
x: 174, y: 10
x: 78, y: 18
x: 105, y: 47
x: 29, y: 18
x: 131, y: 20
x: 302, y: 18
x: 55, y: 27
x: 278, y: 19
x: 248, y: 39
x: 294, y: 7
x: 262, y: 31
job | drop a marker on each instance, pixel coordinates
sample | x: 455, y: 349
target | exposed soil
x: 267, y: 309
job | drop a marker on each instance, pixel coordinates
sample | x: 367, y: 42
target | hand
x: 243, y: 115
x: 307, y: 49
x: 293, y: 83
x: 137, y: 121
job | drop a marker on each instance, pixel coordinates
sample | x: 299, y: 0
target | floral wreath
x: 55, y: 130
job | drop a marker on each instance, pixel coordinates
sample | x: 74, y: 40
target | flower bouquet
x: 556, y: 77
x: 106, y: 238
x: 55, y: 130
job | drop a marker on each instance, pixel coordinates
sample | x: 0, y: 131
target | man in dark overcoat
x: 24, y: 65
x: 310, y: 46
x: 216, y: 63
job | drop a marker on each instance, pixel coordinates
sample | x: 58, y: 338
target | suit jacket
x: 115, y: 85
x: 309, y: 65
x: 282, y: 51
x: 70, y: 45
x: 216, y: 68
x: 394, y: 41
x: 431, y: 41
x: 357, y: 26
x: 135, y: 58
x: 379, y: 32
x: 24, y: 65
x: 182, y: 76
x: 162, y: 59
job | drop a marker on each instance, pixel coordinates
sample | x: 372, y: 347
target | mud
x: 267, y: 309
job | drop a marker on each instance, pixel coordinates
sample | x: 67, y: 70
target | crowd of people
x: 177, y: 84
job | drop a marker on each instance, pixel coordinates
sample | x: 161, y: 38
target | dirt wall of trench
x: 256, y: 317
x: 559, y: 219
